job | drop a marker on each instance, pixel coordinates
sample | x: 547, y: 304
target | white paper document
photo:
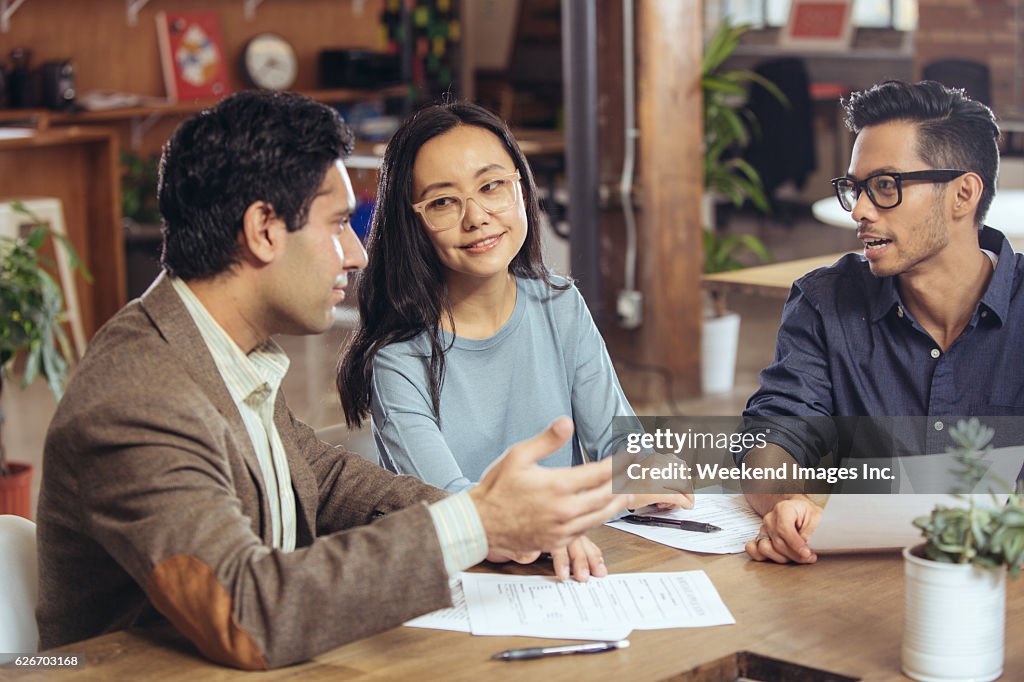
x: 603, y: 608
x: 454, y: 618
x: 731, y: 513
x: 851, y: 523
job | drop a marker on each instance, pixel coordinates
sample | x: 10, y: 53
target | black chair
x: 784, y: 149
x: 973, y: 77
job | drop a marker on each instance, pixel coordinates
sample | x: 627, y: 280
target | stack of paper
x: 730, y: 512
x: 601, y: 609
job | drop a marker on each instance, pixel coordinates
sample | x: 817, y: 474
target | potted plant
x: 31, y: 312
x: 728, y: 127
x: 955, y: 582
x: 721, y: 331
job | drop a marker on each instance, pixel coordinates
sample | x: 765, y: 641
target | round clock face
x: 269, y: 62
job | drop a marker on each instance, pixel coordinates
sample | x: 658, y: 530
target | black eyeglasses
x: 885, y: 190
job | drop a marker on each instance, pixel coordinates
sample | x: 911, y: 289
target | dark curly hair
x: 402, y: 291
x: 253, y: 146
x: 953, y: 130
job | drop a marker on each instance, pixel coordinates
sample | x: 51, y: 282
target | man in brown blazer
x: 176, y: 482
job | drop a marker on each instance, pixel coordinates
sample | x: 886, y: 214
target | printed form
x: 601, y: 609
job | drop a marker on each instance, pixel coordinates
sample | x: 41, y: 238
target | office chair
x: 973, y: 77
x: 19, y: 588
x: 784, y: 149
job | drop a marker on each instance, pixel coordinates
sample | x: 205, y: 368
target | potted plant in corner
x: 31, y: 312
x: 721, y: 332
x: 955, y: 582
x: 727, y: 131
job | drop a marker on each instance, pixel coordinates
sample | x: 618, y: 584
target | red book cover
x: 192, y: 55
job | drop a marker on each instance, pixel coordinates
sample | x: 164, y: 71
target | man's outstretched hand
x: 525, y: 507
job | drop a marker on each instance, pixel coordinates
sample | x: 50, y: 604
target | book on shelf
x: 192, y: 55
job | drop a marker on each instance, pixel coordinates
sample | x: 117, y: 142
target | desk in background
x: 843, y: 614
x: 773, y: 281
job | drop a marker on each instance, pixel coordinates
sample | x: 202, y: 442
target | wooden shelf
x: 81, y: 168
x: 43, y: 118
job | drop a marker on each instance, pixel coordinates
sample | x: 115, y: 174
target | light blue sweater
x: 548, y: 360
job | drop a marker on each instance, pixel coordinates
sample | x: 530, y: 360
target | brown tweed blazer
x: 152, y: 503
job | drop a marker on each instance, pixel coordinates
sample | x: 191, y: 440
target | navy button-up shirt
x: 848, y: 346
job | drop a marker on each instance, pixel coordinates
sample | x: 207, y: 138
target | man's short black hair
x: 953, y: 130
x: 252, y: 146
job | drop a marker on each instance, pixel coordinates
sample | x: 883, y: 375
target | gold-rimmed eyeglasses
x: 445, y: 211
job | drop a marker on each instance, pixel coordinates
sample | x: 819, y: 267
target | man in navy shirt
x: 926, y: 322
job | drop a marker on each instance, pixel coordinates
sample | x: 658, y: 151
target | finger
x: 752, y: 551
x: 585, y: 503
x: 579, y: 560
x: 526, y: 557
x: 560, y: 561
x: 787, y: 540
x: 585, y: 522
x: 592, y: 556
x: 770, y: 551
x: 794, y: 547
x: 549, y: 440
x: 585, y: 477
x: 677, y: 500
x: 498, y: 556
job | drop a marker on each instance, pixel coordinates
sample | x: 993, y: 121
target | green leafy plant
x: 32, y: 309
x: 990, y: 536
x: 138, y: 188
x: 728, y: 127
x: 728, y: 124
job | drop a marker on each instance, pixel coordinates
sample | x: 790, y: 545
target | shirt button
x: 936, y: 352
x: 899, y: 311
x: 938, y: 426
x: 984, y: 313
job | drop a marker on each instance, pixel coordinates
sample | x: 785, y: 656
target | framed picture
x: 818, y: 25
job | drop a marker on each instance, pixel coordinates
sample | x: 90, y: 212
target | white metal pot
x: 718, y: 346
x: 954, y: 620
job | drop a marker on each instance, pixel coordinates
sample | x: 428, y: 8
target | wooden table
x: 843, y: 614
x: 773, y: 281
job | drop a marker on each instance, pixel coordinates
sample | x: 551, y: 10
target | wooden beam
x: 670, y: 255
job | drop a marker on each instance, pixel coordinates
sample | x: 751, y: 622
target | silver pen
x: 542, y: 651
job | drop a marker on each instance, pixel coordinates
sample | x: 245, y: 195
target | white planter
x: 954, y: 617
x: 718, y: 346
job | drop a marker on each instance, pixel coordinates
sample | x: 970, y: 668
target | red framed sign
x: 818, y: 25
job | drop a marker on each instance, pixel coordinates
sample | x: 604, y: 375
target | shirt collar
x: 251, y: 378
x: 996, y: 297
x: 1000, y: 288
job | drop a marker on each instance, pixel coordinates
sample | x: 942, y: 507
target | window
x: 896, y: 14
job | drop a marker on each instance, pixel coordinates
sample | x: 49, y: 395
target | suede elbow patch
x: 187, y: 593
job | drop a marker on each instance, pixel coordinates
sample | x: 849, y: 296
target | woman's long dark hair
x: 402, y: 292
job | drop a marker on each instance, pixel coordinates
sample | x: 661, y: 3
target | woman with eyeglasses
x: 468, y: 343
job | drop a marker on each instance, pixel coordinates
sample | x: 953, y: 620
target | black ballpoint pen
x: 542, y: 651
x: 681, y: 524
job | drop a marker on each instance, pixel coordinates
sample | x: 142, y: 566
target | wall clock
x: 269, y: 62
